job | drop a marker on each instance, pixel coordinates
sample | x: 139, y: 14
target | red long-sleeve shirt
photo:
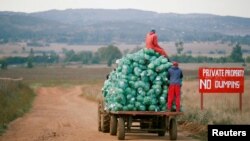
x: 152, y: 43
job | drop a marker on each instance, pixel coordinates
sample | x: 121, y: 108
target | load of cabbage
x: 138, y: 83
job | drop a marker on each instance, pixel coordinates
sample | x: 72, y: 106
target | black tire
x: 162, y: 125
x: 105, y: 122
x: 113, y: 125
x: 121, y: 129
x: 172, y: 129
x: 99, y: 119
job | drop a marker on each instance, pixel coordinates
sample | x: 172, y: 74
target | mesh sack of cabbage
x: 139, y: 83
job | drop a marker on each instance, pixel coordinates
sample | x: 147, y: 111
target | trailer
x: 122, y: 122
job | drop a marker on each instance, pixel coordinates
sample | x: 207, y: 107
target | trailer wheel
x: 99, y: 116
x: 121, y: 129
x: 105, y: 119
x: 105, y: 122
x: 173, y: 129
x: 161, y: 126
x: 113, y: 125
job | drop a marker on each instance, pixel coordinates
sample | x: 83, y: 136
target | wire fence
x: 7, y: 84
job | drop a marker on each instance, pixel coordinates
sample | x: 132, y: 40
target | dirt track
x: 60, y: 114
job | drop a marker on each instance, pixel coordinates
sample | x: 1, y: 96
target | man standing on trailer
x: 174, y: 91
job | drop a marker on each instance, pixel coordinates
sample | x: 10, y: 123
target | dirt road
x: 60, y: 114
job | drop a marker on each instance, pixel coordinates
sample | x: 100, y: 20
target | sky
x: 218, y: 7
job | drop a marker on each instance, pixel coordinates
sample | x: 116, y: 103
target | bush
x: 15, y: 100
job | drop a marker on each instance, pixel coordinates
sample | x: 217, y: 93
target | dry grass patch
x: 92, y: 92
x: 220, y: 108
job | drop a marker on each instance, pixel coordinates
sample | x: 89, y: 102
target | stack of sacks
x: 139, y: 83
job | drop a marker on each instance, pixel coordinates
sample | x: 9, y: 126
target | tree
x: 69, y: 55
x: 109, y: 63
x: 109, y: 54
x: 31, y: 53
x: 85, y: 56
x: 179, y: 47
x: 30, y: 59
x: 248, y: 59
x: 4, y: 64
x: 95, y: 58
x: 30, y: 63
x: 236, y: 54
x: 53, y: 57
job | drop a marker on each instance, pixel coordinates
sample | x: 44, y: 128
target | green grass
x: 15, y: 100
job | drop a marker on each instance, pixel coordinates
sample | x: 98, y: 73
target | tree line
x: 108, y: 55
x: 235, y: 56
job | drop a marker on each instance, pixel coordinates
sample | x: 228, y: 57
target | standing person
x: 174, y: 91
x: 152, y: 43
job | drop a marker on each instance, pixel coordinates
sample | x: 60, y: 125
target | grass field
x: 218, y: 108
x: 58, y: 75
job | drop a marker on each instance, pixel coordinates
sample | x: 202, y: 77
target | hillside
x: 99, y: 26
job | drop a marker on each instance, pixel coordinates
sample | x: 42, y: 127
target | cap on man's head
x: 175, y: 64
x: 153, y: 30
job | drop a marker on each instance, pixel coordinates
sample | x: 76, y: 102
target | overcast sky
x: 218, y: 7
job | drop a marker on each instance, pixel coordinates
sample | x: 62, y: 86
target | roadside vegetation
x: 15, y: 100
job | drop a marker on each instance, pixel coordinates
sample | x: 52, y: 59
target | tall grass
x: 219, y: 108
x: 15, y: 100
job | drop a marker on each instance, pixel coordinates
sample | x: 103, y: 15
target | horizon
x: 222, y: 8
x: 124, y: 9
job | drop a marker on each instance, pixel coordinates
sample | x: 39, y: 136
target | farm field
x: 56, y: 75
x: 78, y: 74
x: 196, y: 49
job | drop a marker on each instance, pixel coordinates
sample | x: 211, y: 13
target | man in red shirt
x: 152, y: 43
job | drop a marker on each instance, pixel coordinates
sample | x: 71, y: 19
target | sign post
x: 201, y: 101
x: 240, y: 99
x: 221, y: 80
